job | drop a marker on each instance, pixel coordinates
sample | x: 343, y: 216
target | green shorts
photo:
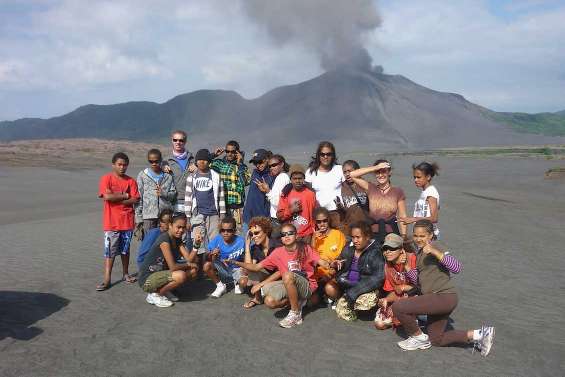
x: 277, y: 289
x: 156, y: 280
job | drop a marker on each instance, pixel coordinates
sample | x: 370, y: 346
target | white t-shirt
x: 275, y: 194
x: 422, y: 207
x: 327, y: 186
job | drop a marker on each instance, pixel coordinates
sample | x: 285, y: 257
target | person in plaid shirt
x: 235, y: 175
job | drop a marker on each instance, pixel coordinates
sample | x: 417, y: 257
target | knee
x: 242, y: 281
x: 270, y: 302
x: 330, y: 289
x: 207, y: 267
x: 288, y: 277
x: 179, y: 276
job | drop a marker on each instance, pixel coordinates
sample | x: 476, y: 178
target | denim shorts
x: 117, y: 242
x: 226, y: 275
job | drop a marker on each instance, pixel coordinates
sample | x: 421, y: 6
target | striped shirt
x: 448, y: 261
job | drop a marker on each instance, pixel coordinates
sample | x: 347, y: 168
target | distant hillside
x: 357, y: 110
x: 550, y: 124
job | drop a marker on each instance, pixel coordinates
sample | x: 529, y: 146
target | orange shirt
x: 329, y: 248
x: 117, y: 216
x: 394, y: 275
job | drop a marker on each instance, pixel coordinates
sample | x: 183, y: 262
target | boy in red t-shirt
x: 297, y: 204
x: 119, y: 192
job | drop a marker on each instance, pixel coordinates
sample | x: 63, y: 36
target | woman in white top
x: 427, y: 205
x: 278, y: 168
x: 326, y: 176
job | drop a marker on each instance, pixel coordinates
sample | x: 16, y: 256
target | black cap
x: 203, y: 154
x: 259, y: 155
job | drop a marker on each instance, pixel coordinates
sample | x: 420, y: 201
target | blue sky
x: 56, y: 55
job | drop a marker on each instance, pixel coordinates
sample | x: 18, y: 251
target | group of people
x: 287, y: 236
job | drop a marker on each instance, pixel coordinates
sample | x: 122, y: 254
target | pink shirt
x: 285, y: 261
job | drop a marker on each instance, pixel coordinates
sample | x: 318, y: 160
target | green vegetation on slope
x: 549, y: 124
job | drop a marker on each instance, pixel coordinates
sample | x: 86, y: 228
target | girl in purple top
x: 438, y: 298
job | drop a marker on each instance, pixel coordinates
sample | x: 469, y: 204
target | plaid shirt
x: 235, y: 179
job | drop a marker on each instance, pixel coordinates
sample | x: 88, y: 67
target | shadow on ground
x: 19, y: 311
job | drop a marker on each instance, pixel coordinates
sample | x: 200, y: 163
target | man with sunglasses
x: 157, y: 191
x: 235, y: 175
x: 225, y: 246
x: 257, y: 203
x: 179, y: 164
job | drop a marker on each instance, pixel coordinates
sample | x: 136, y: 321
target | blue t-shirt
x: 235, y: 250
x: 154, y: 176
x: 204, y: 193
x: 182, y: 163
x: 146, y: 244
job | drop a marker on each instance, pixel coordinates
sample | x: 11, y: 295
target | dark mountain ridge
x: 355, y: 109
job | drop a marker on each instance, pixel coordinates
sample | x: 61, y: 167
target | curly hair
x: 263, y: 223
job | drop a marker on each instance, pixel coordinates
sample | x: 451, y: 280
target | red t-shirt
x: 394, y: 275
x: 304, y: 222
x: 117, y: 216
x: 285, y: 261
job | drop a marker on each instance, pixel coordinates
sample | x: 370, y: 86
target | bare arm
x: 255, y: 267
x: 361, y: 183
x: 401, y: 213
x: 169, y: 258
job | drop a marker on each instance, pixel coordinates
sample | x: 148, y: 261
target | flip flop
x: 129, y: 279
x: 250, y: 304
x: 102, y: 286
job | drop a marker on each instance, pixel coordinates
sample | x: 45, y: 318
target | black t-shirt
x: 154, y: 260
x: 257, y: 250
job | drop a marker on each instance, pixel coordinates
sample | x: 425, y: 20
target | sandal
x: 102, y: 286
x: 129, y: 279
x: 251, y: 304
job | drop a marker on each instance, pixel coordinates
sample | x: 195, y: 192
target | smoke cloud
x: 333, y: 29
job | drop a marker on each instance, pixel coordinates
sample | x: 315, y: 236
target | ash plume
x: 333, y: 29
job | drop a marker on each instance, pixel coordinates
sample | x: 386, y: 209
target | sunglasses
x: 231, y: 151
x: 255, y: 233
x: 321, y: 221
x: 274, y: 165
x: 326, y: 154
x: 289, y: 233
x: 154, y: 161
x: 178, y: 140
x: 228, y: 230
x: 388, y: 248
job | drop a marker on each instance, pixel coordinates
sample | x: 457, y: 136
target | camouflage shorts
x: 366, y: 301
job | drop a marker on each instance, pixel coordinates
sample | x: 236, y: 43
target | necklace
x: 384, y: 189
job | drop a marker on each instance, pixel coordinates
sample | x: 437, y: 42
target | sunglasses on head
x: 227, y: 230
x: 388, y: 248
x: 289, y: 233
x: 330, y: 154
x: 178, y: 140
x: 321, y: 221
x: 154, y: 161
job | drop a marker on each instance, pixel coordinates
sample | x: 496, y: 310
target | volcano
x: 355, y: 109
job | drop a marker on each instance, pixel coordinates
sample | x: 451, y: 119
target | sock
x: 477, y: 335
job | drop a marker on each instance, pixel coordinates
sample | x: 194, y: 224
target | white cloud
x: 506, y: 64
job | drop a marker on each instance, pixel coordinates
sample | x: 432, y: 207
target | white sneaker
x: 292, y: 319
x: 237, y: 290
x: 171, y: 296
x: 219, y: 291
x: 486, y: 341
x: 421, y: 342
x: 158, y: 300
